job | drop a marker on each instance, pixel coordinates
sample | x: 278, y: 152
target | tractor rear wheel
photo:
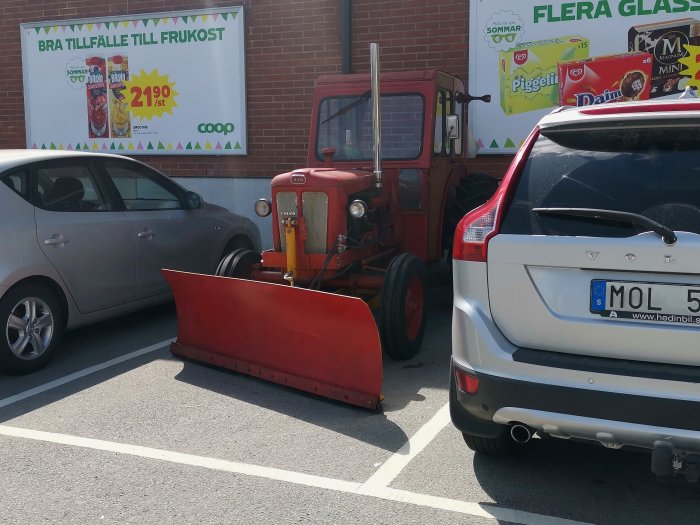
x: 402, y: 308
x: 471, y: 192
x: 239, y: 263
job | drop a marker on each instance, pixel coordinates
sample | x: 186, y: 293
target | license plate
x: 655, y: 302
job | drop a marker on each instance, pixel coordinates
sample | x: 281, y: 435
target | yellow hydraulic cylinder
x: 290, y: 239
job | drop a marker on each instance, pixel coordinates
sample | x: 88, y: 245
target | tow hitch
x: 667, y: 462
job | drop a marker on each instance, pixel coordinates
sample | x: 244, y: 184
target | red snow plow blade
x: 319, y: 342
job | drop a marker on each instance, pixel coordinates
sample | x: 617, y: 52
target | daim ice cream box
x: 611, y: 78
x: 528, y: 72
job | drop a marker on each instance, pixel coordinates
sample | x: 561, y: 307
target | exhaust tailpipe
x: 520, y: 433
x: 376, y: 113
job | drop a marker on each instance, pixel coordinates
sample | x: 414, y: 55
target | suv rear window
x: 649, y: 169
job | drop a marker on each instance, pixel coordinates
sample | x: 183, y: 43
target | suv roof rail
x: 646, y: 108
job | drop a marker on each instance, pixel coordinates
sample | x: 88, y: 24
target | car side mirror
x: 192, y: 201
x: 452, y: 122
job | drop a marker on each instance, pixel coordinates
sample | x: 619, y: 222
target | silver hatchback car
x: 577, y: 289
x: 85, y: 236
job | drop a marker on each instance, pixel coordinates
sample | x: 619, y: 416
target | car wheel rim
x: 29, y: 328
x: 414, y: 308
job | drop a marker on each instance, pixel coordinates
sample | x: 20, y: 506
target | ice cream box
x: 611, y: 78
x: 528, y: 72
x: 665, y: 41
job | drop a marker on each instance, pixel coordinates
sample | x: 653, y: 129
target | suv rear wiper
x: 666, y: 233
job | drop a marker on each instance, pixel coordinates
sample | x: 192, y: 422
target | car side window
x: 70, y: 186
x: 141, y: 188
x: 18, y: 181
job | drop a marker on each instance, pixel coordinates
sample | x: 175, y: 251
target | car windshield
x: 651, y: 170
x: 345, y: 123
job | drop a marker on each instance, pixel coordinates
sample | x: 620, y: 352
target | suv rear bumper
x: 613, y: 419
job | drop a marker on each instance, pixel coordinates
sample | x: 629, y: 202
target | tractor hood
x: 350, y: 181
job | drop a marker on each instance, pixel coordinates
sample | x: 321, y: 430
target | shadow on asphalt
x: 90, y: 346
x: 587, y: 483
x: 403, y: 382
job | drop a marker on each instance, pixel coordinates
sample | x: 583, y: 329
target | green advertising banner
x: 533, y: 56
x: 164, y: 83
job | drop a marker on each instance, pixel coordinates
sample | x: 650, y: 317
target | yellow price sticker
x: 151, y: 95
x: 692, y: 63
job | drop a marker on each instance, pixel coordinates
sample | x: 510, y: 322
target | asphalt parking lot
x: 117, y: 430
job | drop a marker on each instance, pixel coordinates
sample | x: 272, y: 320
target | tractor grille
x: 315, y: 213
x: 286, y: 207
x: 315, y: 206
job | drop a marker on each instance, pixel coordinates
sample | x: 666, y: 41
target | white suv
x: 577, y: 288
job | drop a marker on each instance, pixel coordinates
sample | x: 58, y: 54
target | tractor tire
x: 32, y: 321
x: 239, y: 263
x: 402, y: 309
x: 471, y: 192
x: 237, y: 243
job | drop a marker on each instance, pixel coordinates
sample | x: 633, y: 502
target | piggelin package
x: 528, y: 73
x: 665, y: 41
x: 599, y: 80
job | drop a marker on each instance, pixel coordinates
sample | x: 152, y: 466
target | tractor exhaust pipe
x: 376, y: 114
x: 520, y: 433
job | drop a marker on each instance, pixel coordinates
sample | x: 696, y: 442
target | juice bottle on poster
x: 97, y: 97
x: 119, y: 116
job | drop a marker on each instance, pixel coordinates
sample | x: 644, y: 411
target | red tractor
x: 354, y: 223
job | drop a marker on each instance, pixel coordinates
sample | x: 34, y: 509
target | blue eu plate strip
x: 598, y: 296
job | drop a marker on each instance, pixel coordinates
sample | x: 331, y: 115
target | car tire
x: 500, y: 446
x: 32, y: 325
x: 402, y: 309
x: 238, y: 263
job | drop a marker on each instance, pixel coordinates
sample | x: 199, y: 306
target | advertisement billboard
x: 532, y: 56
x: 156, y: 84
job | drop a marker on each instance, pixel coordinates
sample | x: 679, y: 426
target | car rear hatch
x: 603, y: 286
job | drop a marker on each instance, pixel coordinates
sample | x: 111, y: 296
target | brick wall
x: 289, y: 44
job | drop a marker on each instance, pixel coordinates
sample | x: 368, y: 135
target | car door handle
x: 56, y: 241
x: 146, y: 234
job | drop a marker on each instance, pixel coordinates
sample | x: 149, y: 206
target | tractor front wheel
x: 239, y: 263
x: 402, y: 308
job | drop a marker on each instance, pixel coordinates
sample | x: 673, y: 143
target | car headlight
x: 263, y: 207
x: 358, y: 209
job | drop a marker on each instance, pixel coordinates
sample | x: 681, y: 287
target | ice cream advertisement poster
x: 153, y: 84
x: 532, y: 56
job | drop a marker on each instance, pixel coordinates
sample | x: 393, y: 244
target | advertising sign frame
x: 164, y: 83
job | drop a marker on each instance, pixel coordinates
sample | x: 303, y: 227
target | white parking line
x: 461, y: 507
x: 85, y: 372
x: 414, y: 446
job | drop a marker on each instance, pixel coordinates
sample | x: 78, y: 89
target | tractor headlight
x: 358, y: 209
x: 263, y: 207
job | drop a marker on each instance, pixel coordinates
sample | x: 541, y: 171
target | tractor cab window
x: 444, y: 106
x: 345, y: 123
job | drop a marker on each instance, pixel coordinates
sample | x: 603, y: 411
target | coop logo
x: 576, y: 73
x: 520, y: 57
x: 218, y: 127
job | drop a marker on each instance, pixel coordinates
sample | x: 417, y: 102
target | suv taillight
x: 478, y: 226
x: 474, y: 230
